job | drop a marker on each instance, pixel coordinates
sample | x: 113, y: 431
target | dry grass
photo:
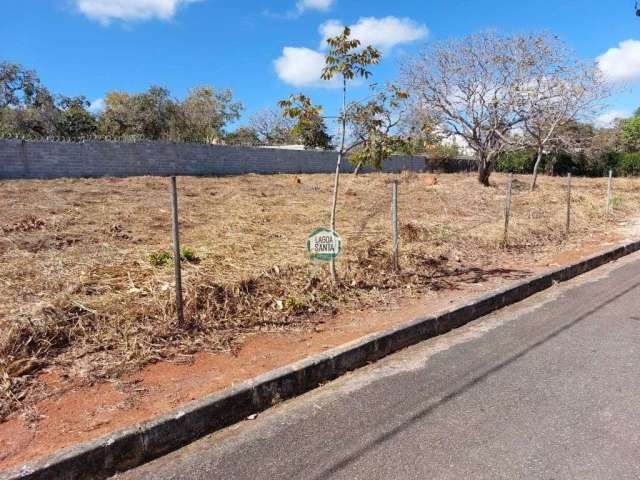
x: 81, y: 292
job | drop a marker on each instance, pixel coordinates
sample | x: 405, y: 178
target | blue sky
x: 264, y: 50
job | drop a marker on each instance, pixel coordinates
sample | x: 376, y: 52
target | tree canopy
x: 28, y: 109
x: 309, y: 128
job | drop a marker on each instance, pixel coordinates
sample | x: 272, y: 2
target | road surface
x: 546, y: 389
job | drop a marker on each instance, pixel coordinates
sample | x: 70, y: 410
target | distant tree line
x: 521, y: 103
x: 584, y: 149
x: 28, y: 109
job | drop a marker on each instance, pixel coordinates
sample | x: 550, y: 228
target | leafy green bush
x: 159, y: 258
x: 623, y: 164
x: 162, y: 257
x: 521, y: 161
x: 189, y: 255
x: 627, y: 164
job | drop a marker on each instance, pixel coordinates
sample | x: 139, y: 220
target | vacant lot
x: 87, y: 282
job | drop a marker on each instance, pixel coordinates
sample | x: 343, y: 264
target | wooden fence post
x: 568, y: 224
x: 607, y: 209
x: 394, y: 225
x: 507, y: 209
x: 176, y: 250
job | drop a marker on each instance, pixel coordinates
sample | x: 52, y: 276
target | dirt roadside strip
x: 148, y: 440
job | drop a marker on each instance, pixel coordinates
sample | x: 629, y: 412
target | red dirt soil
x: 73, y: 414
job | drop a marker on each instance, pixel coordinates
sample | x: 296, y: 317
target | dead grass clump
x: 27, y: 345
x: 52, y: 242
x: 27, y: 224
x: 410, y: 232
x: 89, y: 287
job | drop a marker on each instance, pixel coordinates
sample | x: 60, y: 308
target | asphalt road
x: 546, y: 389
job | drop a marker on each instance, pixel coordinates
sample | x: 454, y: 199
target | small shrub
x: 187, y: 254
x: 160, y: 258
x: 521, y: 161
x: 295, y: 305
x: 616, y: 202
x: 628, y: 164
x: 410, y: 232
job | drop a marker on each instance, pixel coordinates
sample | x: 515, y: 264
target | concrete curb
x: 139, y: 444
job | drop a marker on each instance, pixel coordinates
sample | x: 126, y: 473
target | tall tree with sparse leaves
x: 346, y: 60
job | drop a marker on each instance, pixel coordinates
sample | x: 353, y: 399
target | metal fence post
x: 507, y: 209
x: 607, y: 210
x: 176, y: 250
x: 394, y: 225
x: 568, y: 224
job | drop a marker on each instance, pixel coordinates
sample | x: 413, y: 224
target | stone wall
x: 47, y: 159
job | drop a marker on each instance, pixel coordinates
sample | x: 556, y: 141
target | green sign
x: 323, y: 245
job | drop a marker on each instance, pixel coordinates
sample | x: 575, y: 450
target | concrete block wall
x: 46, y: 159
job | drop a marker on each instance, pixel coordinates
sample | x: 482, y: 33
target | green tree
x: 310, y: 128
x: 346, y: 59
x: 18, y: 85
x: 204, y: 114
x: 153, y: 114
x: 373, y: 126
x: 27, y: 108
x: 75, y: 120
x: 40, y: 118
x: 243, y: 136
x: 116, y: 120
x: 148, y: 115
x: 630, y: 134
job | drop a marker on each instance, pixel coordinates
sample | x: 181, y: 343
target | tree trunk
x: 356, y: 171
x: 484, y: 171
x: 336, y: 184
x: 535, y: 169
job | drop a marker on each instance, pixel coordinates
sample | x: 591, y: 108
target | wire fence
x: 89, y: 264
x: 241, y: 227
x: 383, y: 230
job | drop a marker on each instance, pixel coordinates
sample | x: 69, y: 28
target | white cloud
x: 105, y: 11
x: 320, y: 5
x: 383, y: 33
x: 97, y: 105
x: 607, y: 119
x: 622, y: 63
x: 301, y: 7
x: 300, y: 66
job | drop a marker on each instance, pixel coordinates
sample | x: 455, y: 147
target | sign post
x: 323, y: 245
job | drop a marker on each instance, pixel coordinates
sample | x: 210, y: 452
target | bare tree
x: 559, y: 92
x: 470, y: 88
x: 272, y: 127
